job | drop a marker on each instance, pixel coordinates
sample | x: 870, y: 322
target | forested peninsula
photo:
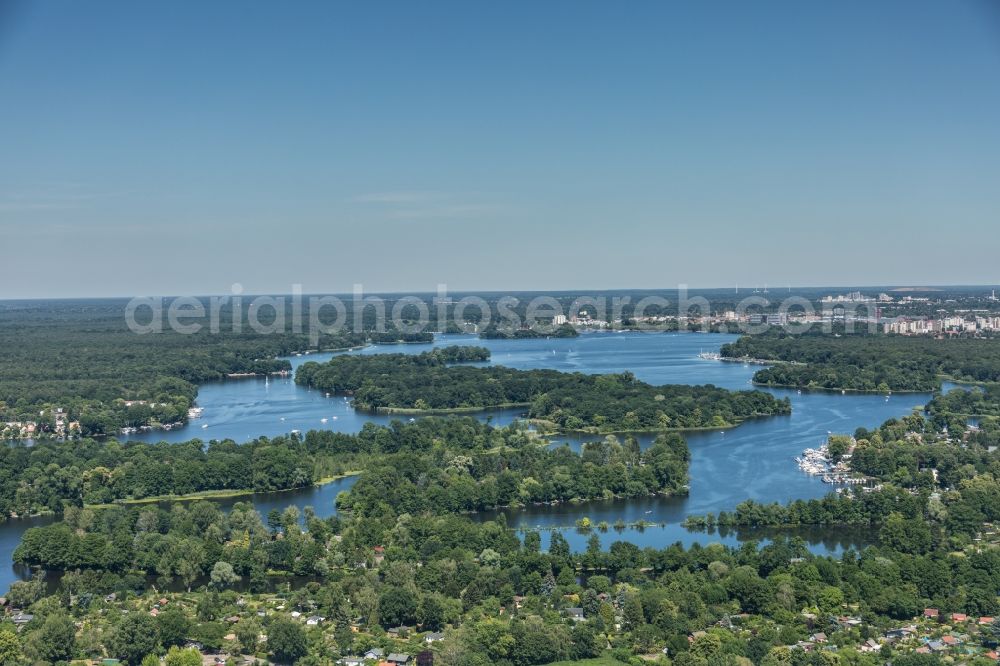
x: 468, y: 466
x: 857, y: 362
x: 432, y: 382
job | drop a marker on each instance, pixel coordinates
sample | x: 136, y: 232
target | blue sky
x: 179, y: 147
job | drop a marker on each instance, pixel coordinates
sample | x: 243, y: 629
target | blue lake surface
x: 754, y: 460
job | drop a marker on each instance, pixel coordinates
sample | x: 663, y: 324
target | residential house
x: 871, y: 645
x: 931, y: 613
x: 22, y: 618
x: 575, y: 614
x: 899, y: 634
x: 433, y: 637
x: 351, y: 661
x: 848, y: 622
x: 398, y: 658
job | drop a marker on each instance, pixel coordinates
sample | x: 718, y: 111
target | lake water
x: 754, y: 460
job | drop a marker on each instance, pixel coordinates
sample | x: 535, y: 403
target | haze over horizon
x: 156, y: 149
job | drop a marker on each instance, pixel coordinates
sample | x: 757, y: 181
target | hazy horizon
x: 156, y: 148
x: 744, y: 291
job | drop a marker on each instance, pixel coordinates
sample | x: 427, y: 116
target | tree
x: 538, y: 643
x: 707, y: 646
x: 180, y: 657
x: 489, y: 557
x: 587, y: 643
x: 10, y: 647
x: 994, y: 630
x: 906, y: 536
x: 174, y: 626
x: 135, y: 636
x: 780, y: 655
x: 208, y: 606
x: 274, y: 519
x: 431, y: 612
x: 632, y: 612
x: 248, y: 634
x: 23, y: 593
x: 286, y: 640
x: 223, y: 574
x: 55, y: 640
x: 748, y: 588
x: 493, y: 638
x: 189, y: 565
x: 397, y: 606
x: 558, y: 546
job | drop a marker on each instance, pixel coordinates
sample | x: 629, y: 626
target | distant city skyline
x: 173, y: 149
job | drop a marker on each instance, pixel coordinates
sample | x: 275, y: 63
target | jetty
x: 715, y: 356
x: 818, y: 462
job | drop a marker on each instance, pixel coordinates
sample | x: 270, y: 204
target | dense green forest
x: 80, y: 357
x: 440, y: 481
x: 446, y: 464
x: 53, y: 474
x: 498, y: 332
x: 519, y: 472
x: 977, y: 401
x: 868, y: 362
x: 706, y: 605
x: 403, y: 556
x: 570, y: 401
x: 401, y: 559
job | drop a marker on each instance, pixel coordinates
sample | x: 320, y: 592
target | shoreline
x: 595, y: 527
x: 756, y: 361
x: 587, y: 430
x: 646, y: 431
x: 414, y: 411
x: 215, y: 494
x: 825, y: 389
